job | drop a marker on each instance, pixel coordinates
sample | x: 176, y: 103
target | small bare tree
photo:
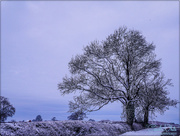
x: 154, y: 96
x: 38, y: 118
x: 54, y: 119
x: 6, y: 110
x: 78, y: 115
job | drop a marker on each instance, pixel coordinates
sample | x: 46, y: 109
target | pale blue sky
x: 38, y: 39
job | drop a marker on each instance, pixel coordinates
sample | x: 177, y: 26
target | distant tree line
x: 8, y: 110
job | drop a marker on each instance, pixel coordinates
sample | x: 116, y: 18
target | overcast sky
x: 38, y: 39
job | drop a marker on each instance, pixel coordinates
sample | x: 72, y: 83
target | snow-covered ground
x: 80, y: 128
x: 145, y: 132
x: 66, y: 128
x: 171, y: 130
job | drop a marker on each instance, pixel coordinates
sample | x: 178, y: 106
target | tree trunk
x: 130, y: 113
x: 146, y: 116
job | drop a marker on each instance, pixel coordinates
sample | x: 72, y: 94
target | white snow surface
x: 79, y: 128
x: 145, y: 132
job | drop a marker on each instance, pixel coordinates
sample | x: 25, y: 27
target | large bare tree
x: 111, y: 70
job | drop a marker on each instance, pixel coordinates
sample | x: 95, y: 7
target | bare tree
x: 78, y: 115
x: 112, y: 70
x: 6, y: 110
x: 38, y: 118
x: 154, y: 96
x: 54, y: 119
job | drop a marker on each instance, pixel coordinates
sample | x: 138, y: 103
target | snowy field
x: 171, y: 130
x: 66, y: 128
x: 79, y: 128
x: 145, y: 132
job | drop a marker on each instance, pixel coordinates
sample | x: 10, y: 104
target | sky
x: 39, y: 38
